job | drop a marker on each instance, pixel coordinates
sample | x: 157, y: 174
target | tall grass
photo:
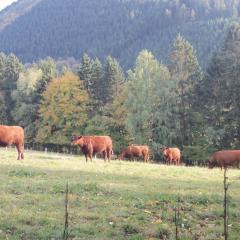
x: 116, y: 200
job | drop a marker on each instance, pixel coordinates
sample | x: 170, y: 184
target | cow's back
x: 11, y: 135
x: 100, y: 143
x: 138, y: 150
x: 227, y: 155
x: 175, y: 152
x: 226, y: 158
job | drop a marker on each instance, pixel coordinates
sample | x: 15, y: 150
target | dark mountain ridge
x: 120, y: 28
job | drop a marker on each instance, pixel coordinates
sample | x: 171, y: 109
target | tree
x: 112, y: 80
x: 25, y: 108
x: 151, y: 117
x: 85, y: 72
x: 96, y: 87
x: 49, y: 71
x: 3, y: 110
x: 63, y: 109
x: 30, y: 86
x: 111, y: 120
x: 10, y: 67
x: 91, y: 72
x: 220, y: 92
x: 186, y: 73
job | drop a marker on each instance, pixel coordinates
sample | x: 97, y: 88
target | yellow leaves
x: 63, y: 106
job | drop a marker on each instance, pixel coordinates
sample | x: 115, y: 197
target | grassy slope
x: 120, y: 200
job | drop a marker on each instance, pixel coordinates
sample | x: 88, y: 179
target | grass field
x: 120, y: 200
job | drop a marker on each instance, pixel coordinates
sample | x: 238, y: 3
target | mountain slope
x: 121, y: 28
x: 17, y: 9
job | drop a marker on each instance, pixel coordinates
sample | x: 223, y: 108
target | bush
x: 196, y: 155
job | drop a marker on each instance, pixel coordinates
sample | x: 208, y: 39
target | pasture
x: 120, y: 200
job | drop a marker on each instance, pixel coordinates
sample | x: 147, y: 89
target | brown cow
x: 135, y: 151
x: 91, y: 145
x: 225, y: 158
x: 171, y: 155
x: 12, y: 135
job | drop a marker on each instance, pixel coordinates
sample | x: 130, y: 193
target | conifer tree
x: 219, y: 93
x: 86, y: 72
x: 10, y: 68
x: 112, y: 80
x: 186, y: 73
x: 97, y: 91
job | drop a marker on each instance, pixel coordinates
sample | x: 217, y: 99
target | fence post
x: 65, y: 232
x: 177, y: 218
x: 225, y: 204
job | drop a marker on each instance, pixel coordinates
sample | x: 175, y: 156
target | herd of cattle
x: 92, y: 145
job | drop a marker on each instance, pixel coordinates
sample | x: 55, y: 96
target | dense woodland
x: 157, y: 104
x: 120, y: 28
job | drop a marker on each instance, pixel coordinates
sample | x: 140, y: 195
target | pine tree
x: 112, y: 80
x: 97, y: 91
x: 85, y: 72
x: 10, y: 68
x: 186, y: 73
x: 220, y: 93
x: 49, y: 71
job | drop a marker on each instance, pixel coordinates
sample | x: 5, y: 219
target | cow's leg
x: 90, y: 156
x: 148, y: 157
x: 104, y: 155
x: 19, y: 152
x: 109, y: 152
x: 19, y: 156
x: 22, y: 155
x: 145, y: 158
x: 86, y: 156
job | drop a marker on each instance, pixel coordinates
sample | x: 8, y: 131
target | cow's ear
x: 79, y: 137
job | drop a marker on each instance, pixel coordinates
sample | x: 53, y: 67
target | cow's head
x: 212, y: 164
x: 165, y: 151
x: 76, y: 140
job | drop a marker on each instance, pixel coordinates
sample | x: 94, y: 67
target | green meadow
x: 116, y: 200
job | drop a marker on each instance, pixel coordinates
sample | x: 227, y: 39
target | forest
x: 174, y: 104
x: 120, y: 28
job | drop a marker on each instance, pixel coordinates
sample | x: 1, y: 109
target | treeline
x: 116, y: 27
x: 154, y: 104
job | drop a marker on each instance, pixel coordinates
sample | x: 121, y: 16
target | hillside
x: 117, y: 200
x: 63, y: 29
x: 17, y: 9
